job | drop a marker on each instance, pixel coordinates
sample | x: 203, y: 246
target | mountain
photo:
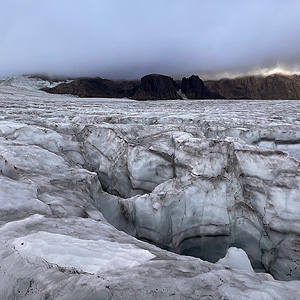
x: 150, y: 87
x: 194, y: 88
x: 162, y: 87
x: 276, y: 86
x: 157, y: 87
x: 95, y: 88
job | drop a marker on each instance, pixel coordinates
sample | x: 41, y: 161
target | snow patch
x: 84, y: 255
x: 236, y: 258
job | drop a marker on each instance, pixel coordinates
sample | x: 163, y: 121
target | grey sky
x: 131, y: 38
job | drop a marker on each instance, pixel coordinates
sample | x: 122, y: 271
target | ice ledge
x: 80, y: 255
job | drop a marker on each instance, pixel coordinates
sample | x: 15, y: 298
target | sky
x: 120, y: 39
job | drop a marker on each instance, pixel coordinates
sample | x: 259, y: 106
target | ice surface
x: 194, y: 177
x: 82, y: 254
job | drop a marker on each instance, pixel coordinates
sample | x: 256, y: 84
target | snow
x: 81, y: 179
x: 236, y: 258
x: 81, y: 254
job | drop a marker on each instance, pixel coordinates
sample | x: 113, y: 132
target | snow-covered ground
x: 80, y: 179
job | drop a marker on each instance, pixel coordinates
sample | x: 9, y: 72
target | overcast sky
x: 131, y: 38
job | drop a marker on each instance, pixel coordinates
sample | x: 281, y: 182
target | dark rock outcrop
x: 275, y: 86
x: 194, y: 88
x: 96, y: 88
x: 156, y: 87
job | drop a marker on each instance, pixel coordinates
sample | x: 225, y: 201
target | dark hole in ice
x: 209, y: 248
x: 213, y: 248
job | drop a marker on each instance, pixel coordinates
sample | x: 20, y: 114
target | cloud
x: 128, y: 39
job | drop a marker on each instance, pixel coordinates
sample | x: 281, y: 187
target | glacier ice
x: 80, y: 179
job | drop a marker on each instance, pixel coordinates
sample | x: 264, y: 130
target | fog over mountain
x: 128, y: 39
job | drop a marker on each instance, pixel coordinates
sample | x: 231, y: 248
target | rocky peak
x: 194, y: 88
x: 156, y: 87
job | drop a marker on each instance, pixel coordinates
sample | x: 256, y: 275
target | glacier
x: 120, y: 199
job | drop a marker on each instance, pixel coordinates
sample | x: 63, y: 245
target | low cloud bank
x: 128, y: 39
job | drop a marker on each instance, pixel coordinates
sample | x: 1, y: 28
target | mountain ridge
x: 271, y: 87
x: 163, y: 87
x: 150, y: 87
